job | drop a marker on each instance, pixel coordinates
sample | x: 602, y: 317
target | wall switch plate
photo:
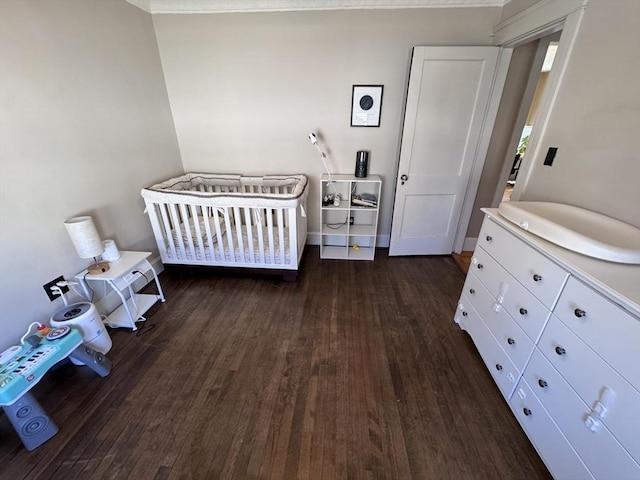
x: 551, y: 156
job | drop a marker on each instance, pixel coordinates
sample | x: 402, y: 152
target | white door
x: 451, y: 106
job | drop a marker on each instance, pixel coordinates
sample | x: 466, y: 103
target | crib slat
x: 249, y: 226
x: 293, y: 233
x: 175, y: 219
x: 239, y: 240
x: 216, y: 223
x: 189, y: 247
x: 228, y: 226
x: 152, y: 211
x: 167, y: 228
x: 199, y: 234
x: 270, y: 233
x: 260, y: 230
x: 280, y: 224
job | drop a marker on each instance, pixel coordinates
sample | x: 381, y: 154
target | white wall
x: 595, y: 122
x: 246, y: 89
x: 85, y: 124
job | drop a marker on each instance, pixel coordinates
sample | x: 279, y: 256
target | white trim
x: 541, y: 19
x: 504, y: 58
x: 234, y: 6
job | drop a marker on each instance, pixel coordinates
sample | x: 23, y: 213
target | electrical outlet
x: 47, y: 288
x: 129, y: 277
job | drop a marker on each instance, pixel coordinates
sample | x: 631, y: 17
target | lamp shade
x: 84, y: 236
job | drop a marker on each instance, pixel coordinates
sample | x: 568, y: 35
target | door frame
x: 523, y: 112
x: 540, y: 20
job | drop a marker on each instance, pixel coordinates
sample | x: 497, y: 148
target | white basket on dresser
x: 560, y: 333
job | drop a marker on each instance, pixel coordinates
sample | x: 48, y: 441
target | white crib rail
x: 227, y: 236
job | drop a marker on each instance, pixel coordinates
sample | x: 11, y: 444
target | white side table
x: 120, y: 276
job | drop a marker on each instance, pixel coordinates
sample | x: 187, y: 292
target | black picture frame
x: 366, y: 105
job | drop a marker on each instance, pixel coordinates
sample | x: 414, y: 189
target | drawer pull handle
x: 480, y: 266
x: 560, y: 350
x: 523, y: 311
x: 536, y: 277
x: 579, y: 313
x: 472, y: 291
x: 489, y: 238
x: 498, y: 367
x: 510, y: 341
x: 542, y: 383
x: 526, y: 411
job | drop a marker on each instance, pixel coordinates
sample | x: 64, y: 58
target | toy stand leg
x: 30, y: 421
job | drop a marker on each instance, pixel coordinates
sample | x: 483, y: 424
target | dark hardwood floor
x: 356, y: 371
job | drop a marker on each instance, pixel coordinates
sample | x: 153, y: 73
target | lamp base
x: 98, y: 268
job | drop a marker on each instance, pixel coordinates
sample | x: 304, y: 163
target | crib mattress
x: 241, y: 258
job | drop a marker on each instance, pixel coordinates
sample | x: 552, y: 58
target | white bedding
x: 202, y: 222
x: 240, y: 257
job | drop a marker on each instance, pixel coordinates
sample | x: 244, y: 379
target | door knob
x: 404, y: 178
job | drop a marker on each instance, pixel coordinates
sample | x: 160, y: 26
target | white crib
x: 230, y: 220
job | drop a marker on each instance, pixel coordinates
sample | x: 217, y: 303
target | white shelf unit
x: 349, y: 231
x: 121, y: 275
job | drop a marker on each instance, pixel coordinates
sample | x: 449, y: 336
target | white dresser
x: 560, y: 334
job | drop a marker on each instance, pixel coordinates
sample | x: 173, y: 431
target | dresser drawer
x: 600, y: 451
x: 595, y: 381
x: 504, y: 373
x: 561, y: 459
x: 605, y: 327
x: 521, y: 304
x: 536, y: 272
x: 515, y: 343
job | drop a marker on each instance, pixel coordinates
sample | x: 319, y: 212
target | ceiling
x: 230, y: 6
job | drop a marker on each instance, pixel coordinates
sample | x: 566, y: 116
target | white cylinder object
x: 84, y: 236
x: 111, y: 252
x: 85, y: 317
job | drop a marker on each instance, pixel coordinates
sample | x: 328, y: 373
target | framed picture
x: 366, y: 105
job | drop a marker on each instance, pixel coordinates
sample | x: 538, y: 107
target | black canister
x: 362, y: 164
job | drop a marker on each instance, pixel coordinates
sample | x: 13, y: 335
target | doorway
x: 551, y: 46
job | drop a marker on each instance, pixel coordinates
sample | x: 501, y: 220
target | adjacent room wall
x: 246, y: 89
x: 595, y: 122
x: 85, y: 123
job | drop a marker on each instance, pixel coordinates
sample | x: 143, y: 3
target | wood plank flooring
x: 356, y: 371
x: 463, y: 260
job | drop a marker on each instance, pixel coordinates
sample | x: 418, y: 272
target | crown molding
x: 236, y: 6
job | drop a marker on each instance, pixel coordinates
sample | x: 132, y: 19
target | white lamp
x: 87, y: 242
x: 314, y: 141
